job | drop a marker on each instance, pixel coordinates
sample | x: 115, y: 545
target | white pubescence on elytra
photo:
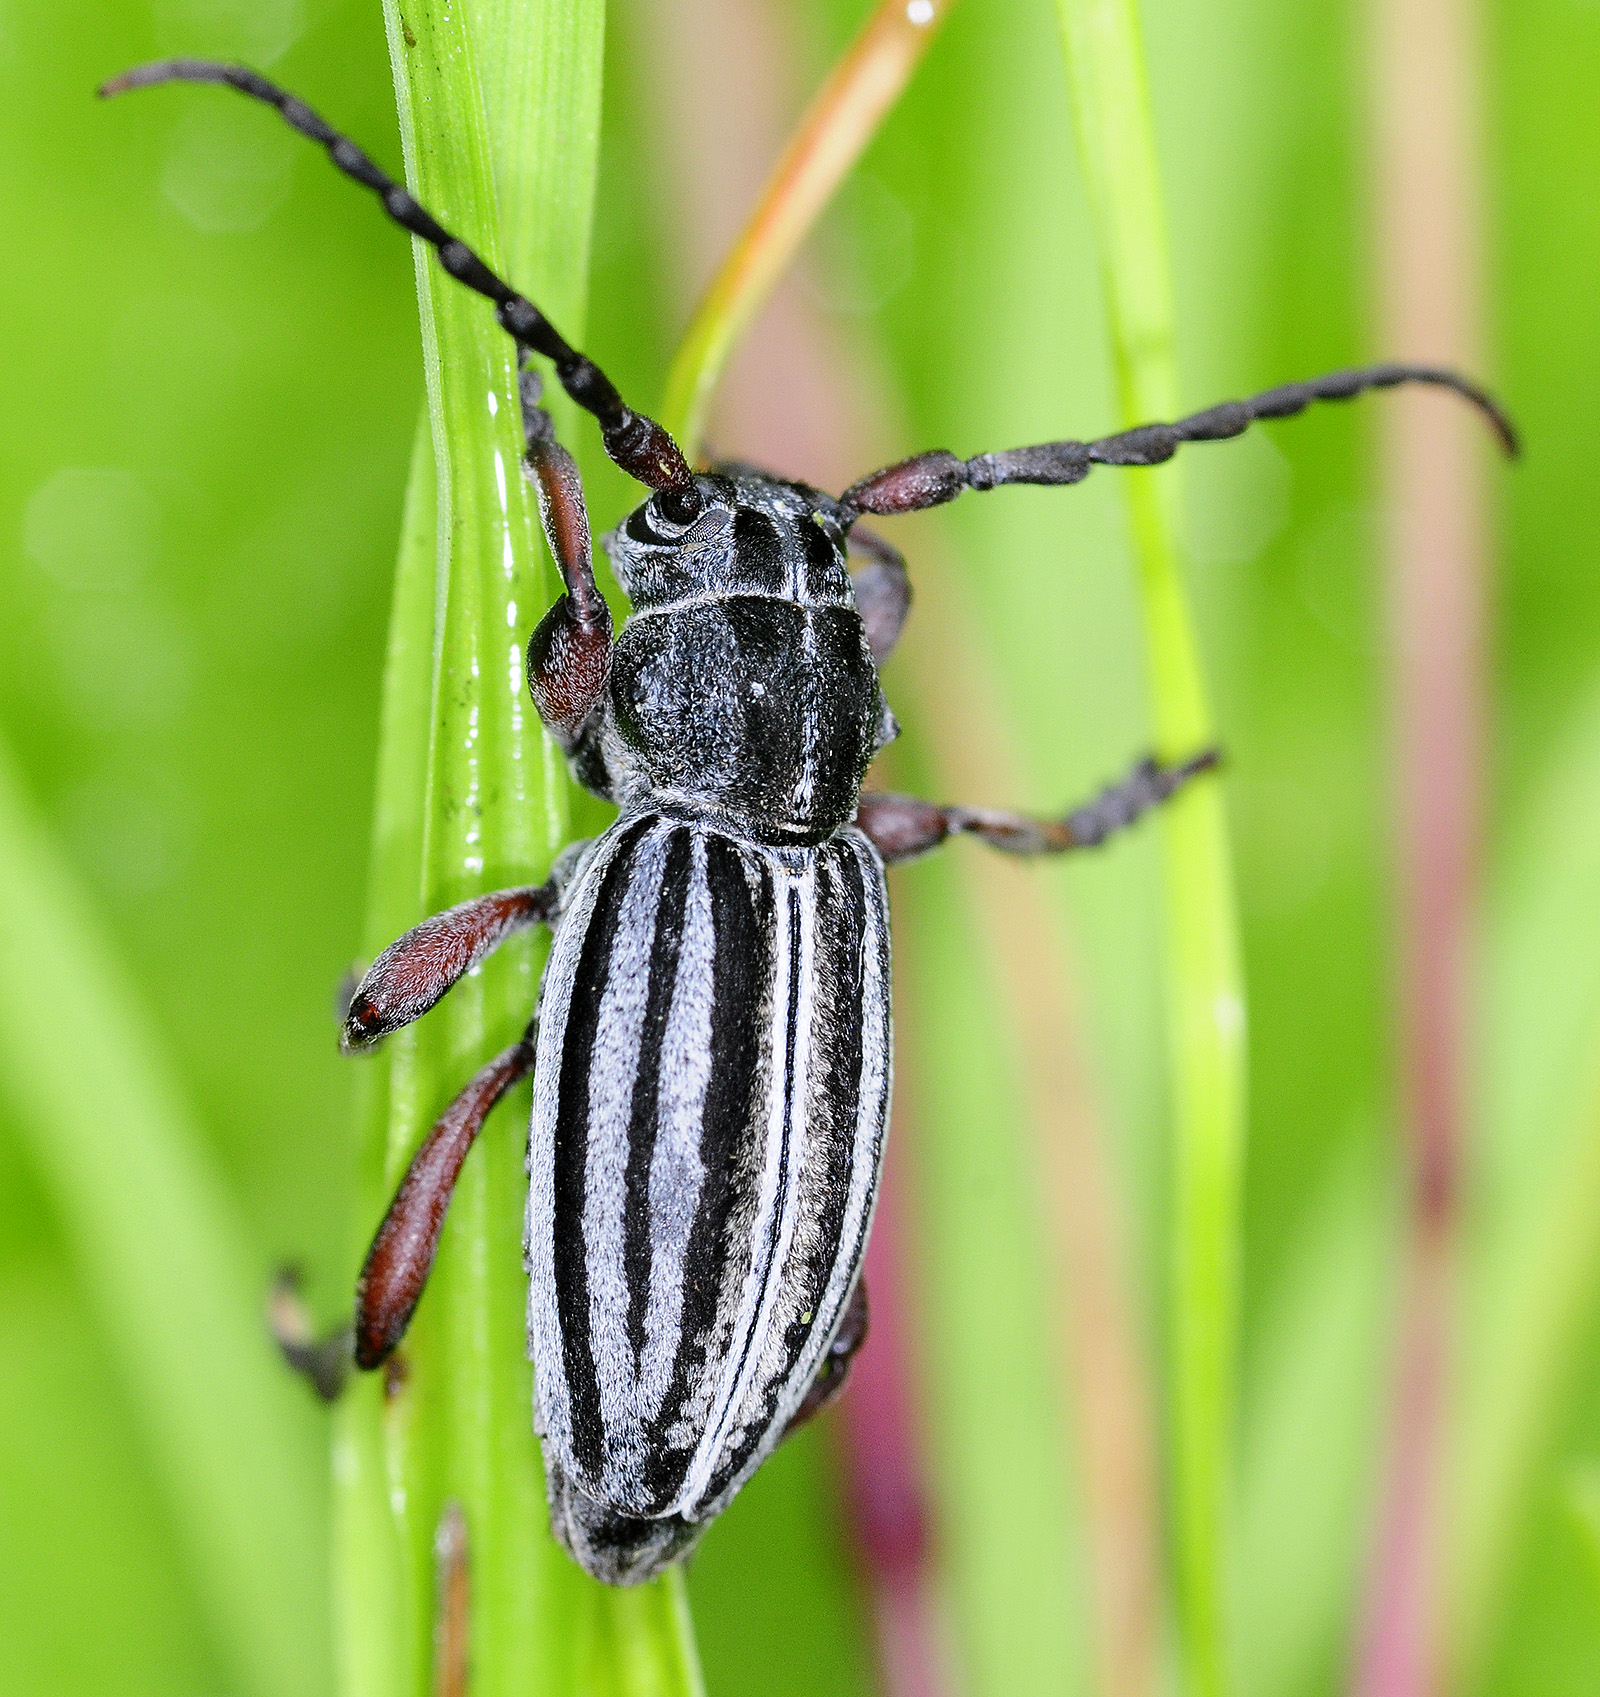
x: 611, y: 1081
x: 741, y: 1401
x: 677, y: 1173
x: 919, y: 12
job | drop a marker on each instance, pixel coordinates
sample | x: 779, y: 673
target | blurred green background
x: 212, y: 383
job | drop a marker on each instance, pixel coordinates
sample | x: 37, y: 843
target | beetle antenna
x: 639, y: 445
x: 929, y: 480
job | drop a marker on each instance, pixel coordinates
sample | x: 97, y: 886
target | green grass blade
x: 1205, y: 992
x: 157, y: 1245
x: 371, y: 1604
x: 1535, y: 1275
x: 499, y: 108
x: 1310, y: 1429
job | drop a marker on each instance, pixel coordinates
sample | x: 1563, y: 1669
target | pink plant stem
x: 883, y: 1465
x: 1429, y: 252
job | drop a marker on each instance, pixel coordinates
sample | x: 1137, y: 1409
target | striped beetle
x: 711, y: 1051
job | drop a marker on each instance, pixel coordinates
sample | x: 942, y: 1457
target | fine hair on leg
x: 416, y: 971
x: 401, y: 1257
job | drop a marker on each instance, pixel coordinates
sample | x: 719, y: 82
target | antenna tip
x: 167, y: 70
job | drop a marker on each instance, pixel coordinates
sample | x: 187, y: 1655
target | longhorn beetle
x: 711, y: 1048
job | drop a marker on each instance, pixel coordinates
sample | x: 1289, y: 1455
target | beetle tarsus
x: 324, y: 1363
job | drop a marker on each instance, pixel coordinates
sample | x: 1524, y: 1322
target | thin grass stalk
x: 841, y: 120
x: 1547, y: 1278
x: 1429, y: 253
x: 472, y: 796
x: 1105, y: 66
x: 1535, y: 1271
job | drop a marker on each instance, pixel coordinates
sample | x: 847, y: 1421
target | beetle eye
x: 664, y: 518
x: 679, y: 504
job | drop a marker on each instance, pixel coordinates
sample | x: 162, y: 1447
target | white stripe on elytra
x: 831, y: 902
x: 762, y: 1288
x: 613, y: 1065
x: 677, y: 1173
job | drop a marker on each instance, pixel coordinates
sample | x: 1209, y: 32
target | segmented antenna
x: 929, y: 480
x: 639, y: 445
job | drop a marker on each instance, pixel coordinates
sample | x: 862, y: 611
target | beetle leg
x: 902, y: 826
x: 418, y: 968
x: 401, y: 1256
x: 835, y: 1368
x: 883, y: 591
x: 929, y: 480
x: 569, y: 653
x: 402, y: 1252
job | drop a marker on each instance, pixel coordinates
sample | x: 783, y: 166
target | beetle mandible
x: 711, y: 1051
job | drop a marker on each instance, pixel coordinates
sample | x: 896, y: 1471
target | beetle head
x: 752, y: 535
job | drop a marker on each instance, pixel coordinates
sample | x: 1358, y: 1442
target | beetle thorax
x: 742, y: 687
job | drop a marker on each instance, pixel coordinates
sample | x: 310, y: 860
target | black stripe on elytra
x: 570, y: 1178
x: 731, y: 1132
x: 756, y: 1430
x: 644, y: 1111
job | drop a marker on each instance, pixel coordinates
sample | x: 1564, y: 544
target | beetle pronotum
x: 711, y: 1051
